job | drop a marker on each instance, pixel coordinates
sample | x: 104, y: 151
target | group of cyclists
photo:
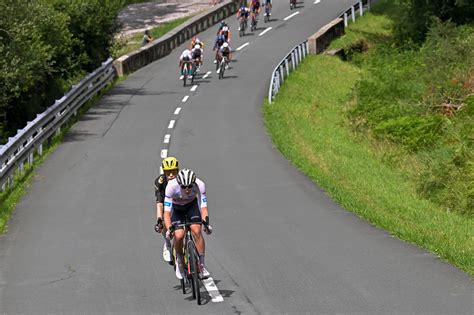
x: 194, y: 54
x: 179, y: 192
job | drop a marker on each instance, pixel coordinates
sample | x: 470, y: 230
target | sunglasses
x: 187, y: 187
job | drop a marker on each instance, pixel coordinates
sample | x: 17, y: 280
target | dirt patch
x: 136, y: 18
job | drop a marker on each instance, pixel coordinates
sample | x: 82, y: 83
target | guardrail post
x: 282, y: 75
x: 361, y: 8
x: 40, y: 149
x: 293, y: 60
x: 58, y: 131
x: 304, y: 51
x: 368, y: 5
x: 307, y: 47
x: 300, y: 53
x: 287, y: 69
x: 353, y: 14
x: 345, y: 20
x: 30, y: 159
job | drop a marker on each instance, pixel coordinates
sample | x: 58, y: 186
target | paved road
x: 82, y: 239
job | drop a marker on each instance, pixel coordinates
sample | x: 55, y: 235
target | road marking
x: 194, y: 88
x: 181, y: 77
x: 178, y: 109
x: 213, y: 290
x: 290, y: 16
x: 317, y: 1
x: 244, y: 45
x: 164, y: 153
x: 185, y: 98
x: 171, y: 125
x: 167, y: 138
x: 266, y: 30
x: 207, y: 74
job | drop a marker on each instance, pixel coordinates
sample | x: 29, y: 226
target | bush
x: 420, y: 98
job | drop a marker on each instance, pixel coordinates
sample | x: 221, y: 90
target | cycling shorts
x: 196, y: 54
x: 191, y: 209
x: 255, y: 6
x: 186, y: 59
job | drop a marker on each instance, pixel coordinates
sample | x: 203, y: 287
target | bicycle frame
x: 191, y: 260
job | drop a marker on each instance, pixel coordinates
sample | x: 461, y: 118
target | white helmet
x: 225, y: 45
x: 186, y: 177
x: 225, y: 28
x: 197, y: 46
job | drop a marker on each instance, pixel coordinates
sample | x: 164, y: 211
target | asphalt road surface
x: 82, y: 239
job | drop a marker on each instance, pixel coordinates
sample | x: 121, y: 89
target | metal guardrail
x: 20, y: 149
x: 300, y: 51
x: 290, y: 62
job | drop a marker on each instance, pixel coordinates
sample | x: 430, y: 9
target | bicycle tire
x: 194, y: 261
x: 222, y: 68
x: 185, y: 74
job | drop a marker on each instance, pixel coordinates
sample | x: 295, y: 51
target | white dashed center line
x: 185, y: 98
x: 317, y: 1
x: 266, y: 30
x: 207, y: 74
x: 171, y: 125
x: 244, y: 45
x: 292, y: 15
x: 194, y: 88
x: 164, y: 153
x: 181, y: 77
x: 178, y: 109
x: 213, y: 291
x: 167, y: 138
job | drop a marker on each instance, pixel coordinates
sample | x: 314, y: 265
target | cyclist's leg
x: 177, y: 217
x: 194, y: 215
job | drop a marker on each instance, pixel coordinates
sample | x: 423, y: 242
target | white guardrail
x: 300, y: 51
x: 20, y: 149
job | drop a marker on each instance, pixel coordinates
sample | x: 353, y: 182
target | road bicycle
x: 191, y: 263
x: 292, y: 4
x: 222, y: 65
x: 185, y: 72
x: 243, y: 26
x: 253, y: 23
x: 267, y: 14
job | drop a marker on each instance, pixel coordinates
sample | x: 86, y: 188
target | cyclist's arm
x: 203, y: 198
x: 160, y: 196
x: 167, y: 211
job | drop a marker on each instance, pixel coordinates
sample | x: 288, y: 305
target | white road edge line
x: 194, y: 88
x: 171, y: 125
x: 244, y: 45
x: 266, y: 30
x: 292, y: 15
x: 213, y: 290
x: 167, y: 138
x: 164, y: 153
x: 178, y: 109
x: 185, y: 98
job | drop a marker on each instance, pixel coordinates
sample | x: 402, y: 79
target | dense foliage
x: 421, y: 98
x: 45, y: 46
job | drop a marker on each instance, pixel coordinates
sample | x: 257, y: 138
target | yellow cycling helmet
x: 170, y: 163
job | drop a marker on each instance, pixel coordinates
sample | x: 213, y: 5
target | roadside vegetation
x: 46, y: 46
x: 389, y: 132
x: 125, y: 45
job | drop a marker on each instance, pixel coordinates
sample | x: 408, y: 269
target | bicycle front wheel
x: 195, y: 267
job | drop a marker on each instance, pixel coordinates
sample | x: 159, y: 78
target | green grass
x: 129, y: 44
x: 22, y: 180
x: 349, y: 168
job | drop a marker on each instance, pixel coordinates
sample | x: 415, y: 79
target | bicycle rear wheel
x: 194, y: 261
x: 185, y: 74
